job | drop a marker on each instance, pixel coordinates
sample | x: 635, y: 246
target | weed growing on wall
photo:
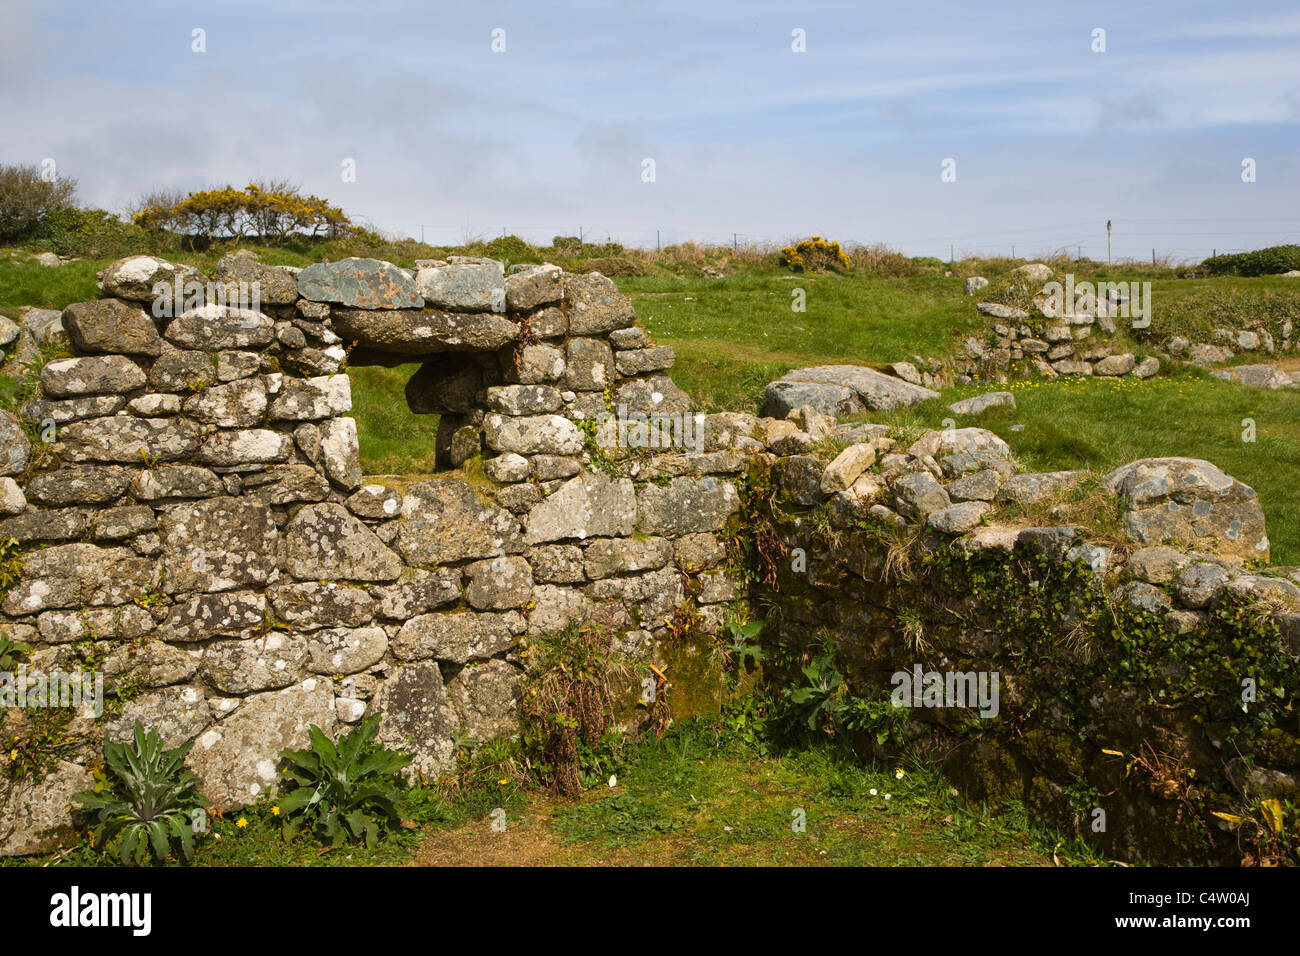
x: 569, y: 706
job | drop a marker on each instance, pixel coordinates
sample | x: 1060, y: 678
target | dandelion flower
x: 275, y: 811
x: 241, y: 823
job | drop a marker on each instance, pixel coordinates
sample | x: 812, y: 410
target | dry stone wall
x: 192, y: 523
x: 187, y: 498
x: 1072, y: 330
x: 1125, y: 669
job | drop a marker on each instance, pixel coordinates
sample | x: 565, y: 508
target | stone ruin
x: 187, y: 499
x: 191, y: 508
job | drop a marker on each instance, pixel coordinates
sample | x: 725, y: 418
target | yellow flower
x: 13, y: 754
x: 502, y: 781
x: 275, y: 811
x: 241, y: 823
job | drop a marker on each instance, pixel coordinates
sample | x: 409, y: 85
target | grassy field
x: 735, y: 335
x: 732, y: 336
x: 693, y: 800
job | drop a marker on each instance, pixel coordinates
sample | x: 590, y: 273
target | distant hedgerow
x: 1261, y: 262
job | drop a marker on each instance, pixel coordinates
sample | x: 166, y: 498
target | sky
x: 549, y: 133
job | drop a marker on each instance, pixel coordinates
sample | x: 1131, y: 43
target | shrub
x: 566, y: 246
x: 887, y: 263
x: 273, y: 212
x: 26, y: 198
x: 511, y: 249
x: 615, y: 266
x: 815, y: 255
x: 1261, y: 262
x: 90, y: 234
x: 152, y: 805
x: 345, y: 791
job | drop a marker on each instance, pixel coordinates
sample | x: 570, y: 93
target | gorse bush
x: 1260, y: 262
x: 272, y: 212
x: 153, y: 806
x: 27, y: 197
x: 816, y: 255
x: 342, y: 792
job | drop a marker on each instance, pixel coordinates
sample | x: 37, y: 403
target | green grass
x: 1194, y: 308
x: 1101, y: 423
x: 696, y: 797
x: 735, y: 335
x: 27, y: 284
x: 393, y: 439
x: 252, y: 837
x: 692, y: 799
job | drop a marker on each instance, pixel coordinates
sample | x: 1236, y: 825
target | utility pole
x: 735, y: 245
x: 579, y: 235
x: 1013, y: 252
x: 1153, y: 256
x: 658, y: 246
x: 1109, y: 259
x: 950, y: 257
x: 421, y: 233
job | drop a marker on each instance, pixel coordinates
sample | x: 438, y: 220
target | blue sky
x: 845, y: 140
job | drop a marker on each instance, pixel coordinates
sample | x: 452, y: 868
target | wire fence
x: 1180, y: 240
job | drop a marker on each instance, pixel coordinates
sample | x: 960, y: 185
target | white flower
x: 888, y: 796
x: 873, y: 791
x: 613, y: 781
